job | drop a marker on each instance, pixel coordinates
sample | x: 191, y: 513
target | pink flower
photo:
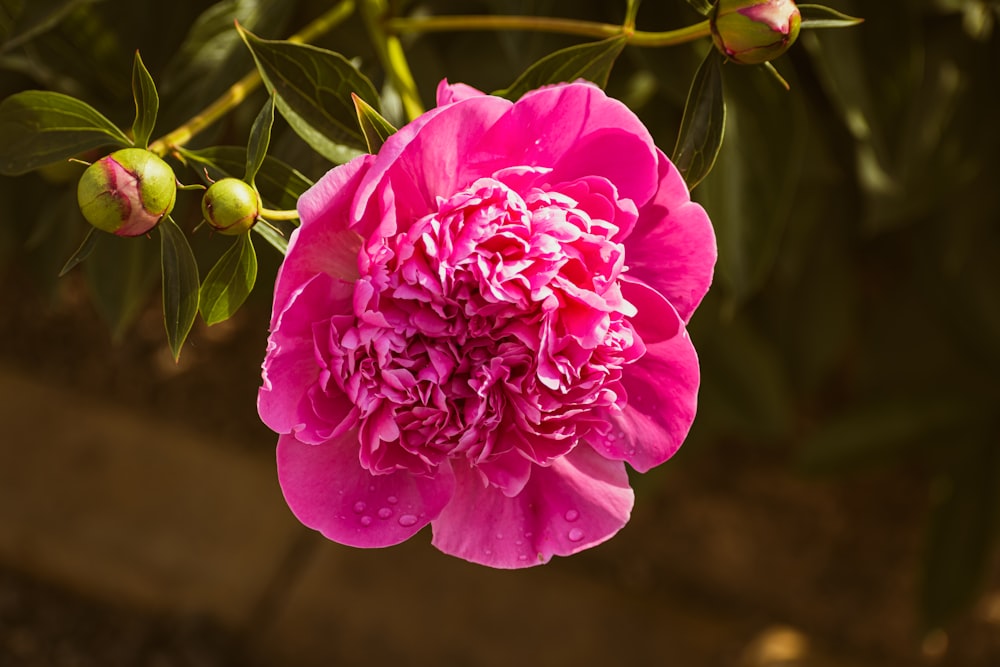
x: 478, y: 326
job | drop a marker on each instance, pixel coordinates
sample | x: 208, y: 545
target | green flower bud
x: 231, y: 206
x: 751, y: 32
x: 127, y: 193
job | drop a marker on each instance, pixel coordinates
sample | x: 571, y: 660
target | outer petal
x: 323, y: 242
x: 434, y: 156
x: 578, y: 131
x: 328, y: 490
x: 672, y: 247
x: 290, y: 367
x: 576, y: 503
x: 662, y: 389
x: 448, y: 93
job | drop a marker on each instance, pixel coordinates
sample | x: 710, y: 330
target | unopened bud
x: 127, y: 193
x: 751, y: 32
x: 231, y: 206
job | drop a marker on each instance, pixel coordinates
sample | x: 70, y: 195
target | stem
x: 390, y: 53
x: 240, y: 90
x: 271, y: 214
x: 544, y: 24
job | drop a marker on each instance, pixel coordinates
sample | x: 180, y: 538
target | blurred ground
x: 140, y: 524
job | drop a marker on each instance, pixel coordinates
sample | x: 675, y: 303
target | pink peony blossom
x: 477, y: 327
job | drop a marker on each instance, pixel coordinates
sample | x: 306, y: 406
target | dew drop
x: 488, y: 552
x: 407, y: 520
x: 499, y: 536
x: 522, y: 557
x: 518, y: 542
x: 366, y: 520
x: 371, y: 487
x: 527, y: 534
x: 360, y: 506
x: 575, y: 535
x: 571, y: 515
x: 384, y: 513
x: 392, y: 500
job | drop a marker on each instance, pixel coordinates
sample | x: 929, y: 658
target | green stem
x: 240, y: 90
x: 271, y: 214
x: 393, y: 59
x: 544, y: 24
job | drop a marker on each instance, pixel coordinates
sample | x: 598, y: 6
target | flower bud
x: 751, y: 32
x: 231, y: 206
x: 127, y: 193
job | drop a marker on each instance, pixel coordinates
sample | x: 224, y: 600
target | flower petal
x: 323, y: 243
x: 576, y: 503
x: 290, y: 367
x: 434, y: 156
x: 448, y: 93
x: 328, y: 490
x: 656, y: 319
x: 662, y: 389
x: 672, y: 247
x: 580, y: 132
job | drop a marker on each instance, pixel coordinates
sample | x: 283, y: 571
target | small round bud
x: 751, y: 32
x: 231, y: 206
x: 127, y: 193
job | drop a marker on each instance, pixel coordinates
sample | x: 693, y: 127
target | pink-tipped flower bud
x: 231, y: 206
x: 751, y: 32
x: 127, y: 193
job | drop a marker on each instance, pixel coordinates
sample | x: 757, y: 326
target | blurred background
x: 834, y: 505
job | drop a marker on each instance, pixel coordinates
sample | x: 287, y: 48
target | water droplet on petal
x: 571, y: 515
x: 407, y: 520
x: 575, y: 535
x: 499, y: 536
x: 360, y: 506
x: 384, y: 513
x: 366, y: 520
x: 392, y: 500
x: 371, y: 487
x: 522, y: 557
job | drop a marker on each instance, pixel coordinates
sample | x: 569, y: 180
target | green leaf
x: 312, y: 88
x: 962, y: 533
x: 703, y: 7
x: 280, y: 185
x: 591, y: 61
x: 180, y: 284
x: 272, y: 236
x: 121, y: 276
x: 147, y: 103
x: 818, y: 16
x: 704, y: 123
x: 752, y: 192
x: 38, y: 128
x: 229, y: 282
x: 213, y: 56
x: 27, y: 20
x: 82, y: 253
x: 260, y: 139
x: 375, y: 128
